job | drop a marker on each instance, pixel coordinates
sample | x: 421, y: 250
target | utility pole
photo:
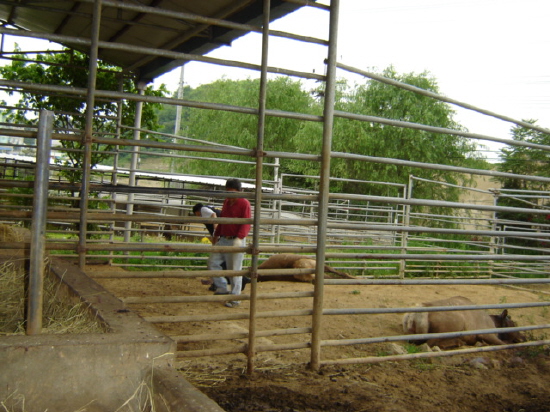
x: 177, y: 126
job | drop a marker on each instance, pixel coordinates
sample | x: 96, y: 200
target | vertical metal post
x: 279, y: 210
x: 114, y: 175
x: 274, y: 205
x: 38, y: 230
x: 120, y: 108
x: 406, y: 223
x: 251, y: 355
x: 493, y: 239
x: 134, y: 163
x: 324, y: 186
x: 87, y: 138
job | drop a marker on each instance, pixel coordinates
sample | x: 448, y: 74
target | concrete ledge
x: 100, y: 371
x: 173, y: 393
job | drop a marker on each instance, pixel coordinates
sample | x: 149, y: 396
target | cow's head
x: 504, y: 321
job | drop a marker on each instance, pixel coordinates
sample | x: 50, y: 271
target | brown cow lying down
x: 290, y: 261
x: 456, y: 321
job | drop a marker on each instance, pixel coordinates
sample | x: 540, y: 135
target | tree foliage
x: 349, y: 136
x: 525, y: 161
x: 167, y: 114
x: 241, y: 129
x: 69, y: 67
x: 378, y: 140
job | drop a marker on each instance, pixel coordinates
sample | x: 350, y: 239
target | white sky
x: 488, y: 53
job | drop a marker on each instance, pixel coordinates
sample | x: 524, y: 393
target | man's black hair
x: 197, y: 207
x: 233, y: 184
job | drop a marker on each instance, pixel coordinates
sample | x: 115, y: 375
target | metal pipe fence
x: 396, y: 240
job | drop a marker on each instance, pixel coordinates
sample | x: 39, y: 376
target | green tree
x: 167, y: 113
x: 239, y: 129
x: 373, y: 139
x: 349, y: 136
x: 70, y: 67
x: 529, y: 162
x: 525, y: 160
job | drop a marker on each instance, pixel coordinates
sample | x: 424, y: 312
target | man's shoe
x: 221, y: 292
x: 246, y: 281
x: 232, y: 304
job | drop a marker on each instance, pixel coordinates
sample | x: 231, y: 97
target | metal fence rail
x: 144, y: 215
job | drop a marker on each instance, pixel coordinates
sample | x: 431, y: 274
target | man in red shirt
x: 230, y: 234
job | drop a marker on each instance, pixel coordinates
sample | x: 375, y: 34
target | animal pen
x: 396, y: 240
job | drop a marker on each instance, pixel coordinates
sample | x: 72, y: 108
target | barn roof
x: 183, y: 26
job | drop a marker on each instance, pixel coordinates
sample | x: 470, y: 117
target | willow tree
x: 384, y: 141
x: 230, y: 128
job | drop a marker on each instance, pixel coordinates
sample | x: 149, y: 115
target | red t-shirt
x: 234, y: 207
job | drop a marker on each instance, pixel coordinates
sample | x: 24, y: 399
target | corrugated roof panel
x: 141, y: 28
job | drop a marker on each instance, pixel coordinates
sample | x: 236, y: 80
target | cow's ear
x: 504, y: 314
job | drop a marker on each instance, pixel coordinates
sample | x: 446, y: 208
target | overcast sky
x: 488, y: 53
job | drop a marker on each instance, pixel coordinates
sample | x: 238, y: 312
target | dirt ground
x: 504, y: 381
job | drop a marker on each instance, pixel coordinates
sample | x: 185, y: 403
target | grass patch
x: 423, y: 364
x: 532, y: 352
x: 412, y: 348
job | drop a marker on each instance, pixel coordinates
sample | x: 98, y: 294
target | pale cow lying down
x: 290, y: 261
x: 457, y: 321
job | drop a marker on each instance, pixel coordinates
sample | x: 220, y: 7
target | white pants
x: 233, y: 261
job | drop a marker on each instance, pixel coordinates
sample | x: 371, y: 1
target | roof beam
x: 65, y: 21
x: 179, y: 40
x: 136, y: 19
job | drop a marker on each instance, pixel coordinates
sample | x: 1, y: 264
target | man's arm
x: 216, y: 235
x: 215, y: 225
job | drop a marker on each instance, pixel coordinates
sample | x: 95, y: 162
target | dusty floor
x: 511, y: 380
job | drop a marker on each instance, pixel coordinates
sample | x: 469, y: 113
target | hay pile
x: 12, y: 298
x: 10, y: 233
x: 60, y: 315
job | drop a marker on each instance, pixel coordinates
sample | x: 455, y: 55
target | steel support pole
x: 492, y: 241
x: 38, y: 229
x: 116, y: 159
x: 276, y: 213
x: 405, y: 234
x: 134, y: 163
x: 87, y: 138
x: 251, y: 355
x: 119, y: 114
x: 324, y: 185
